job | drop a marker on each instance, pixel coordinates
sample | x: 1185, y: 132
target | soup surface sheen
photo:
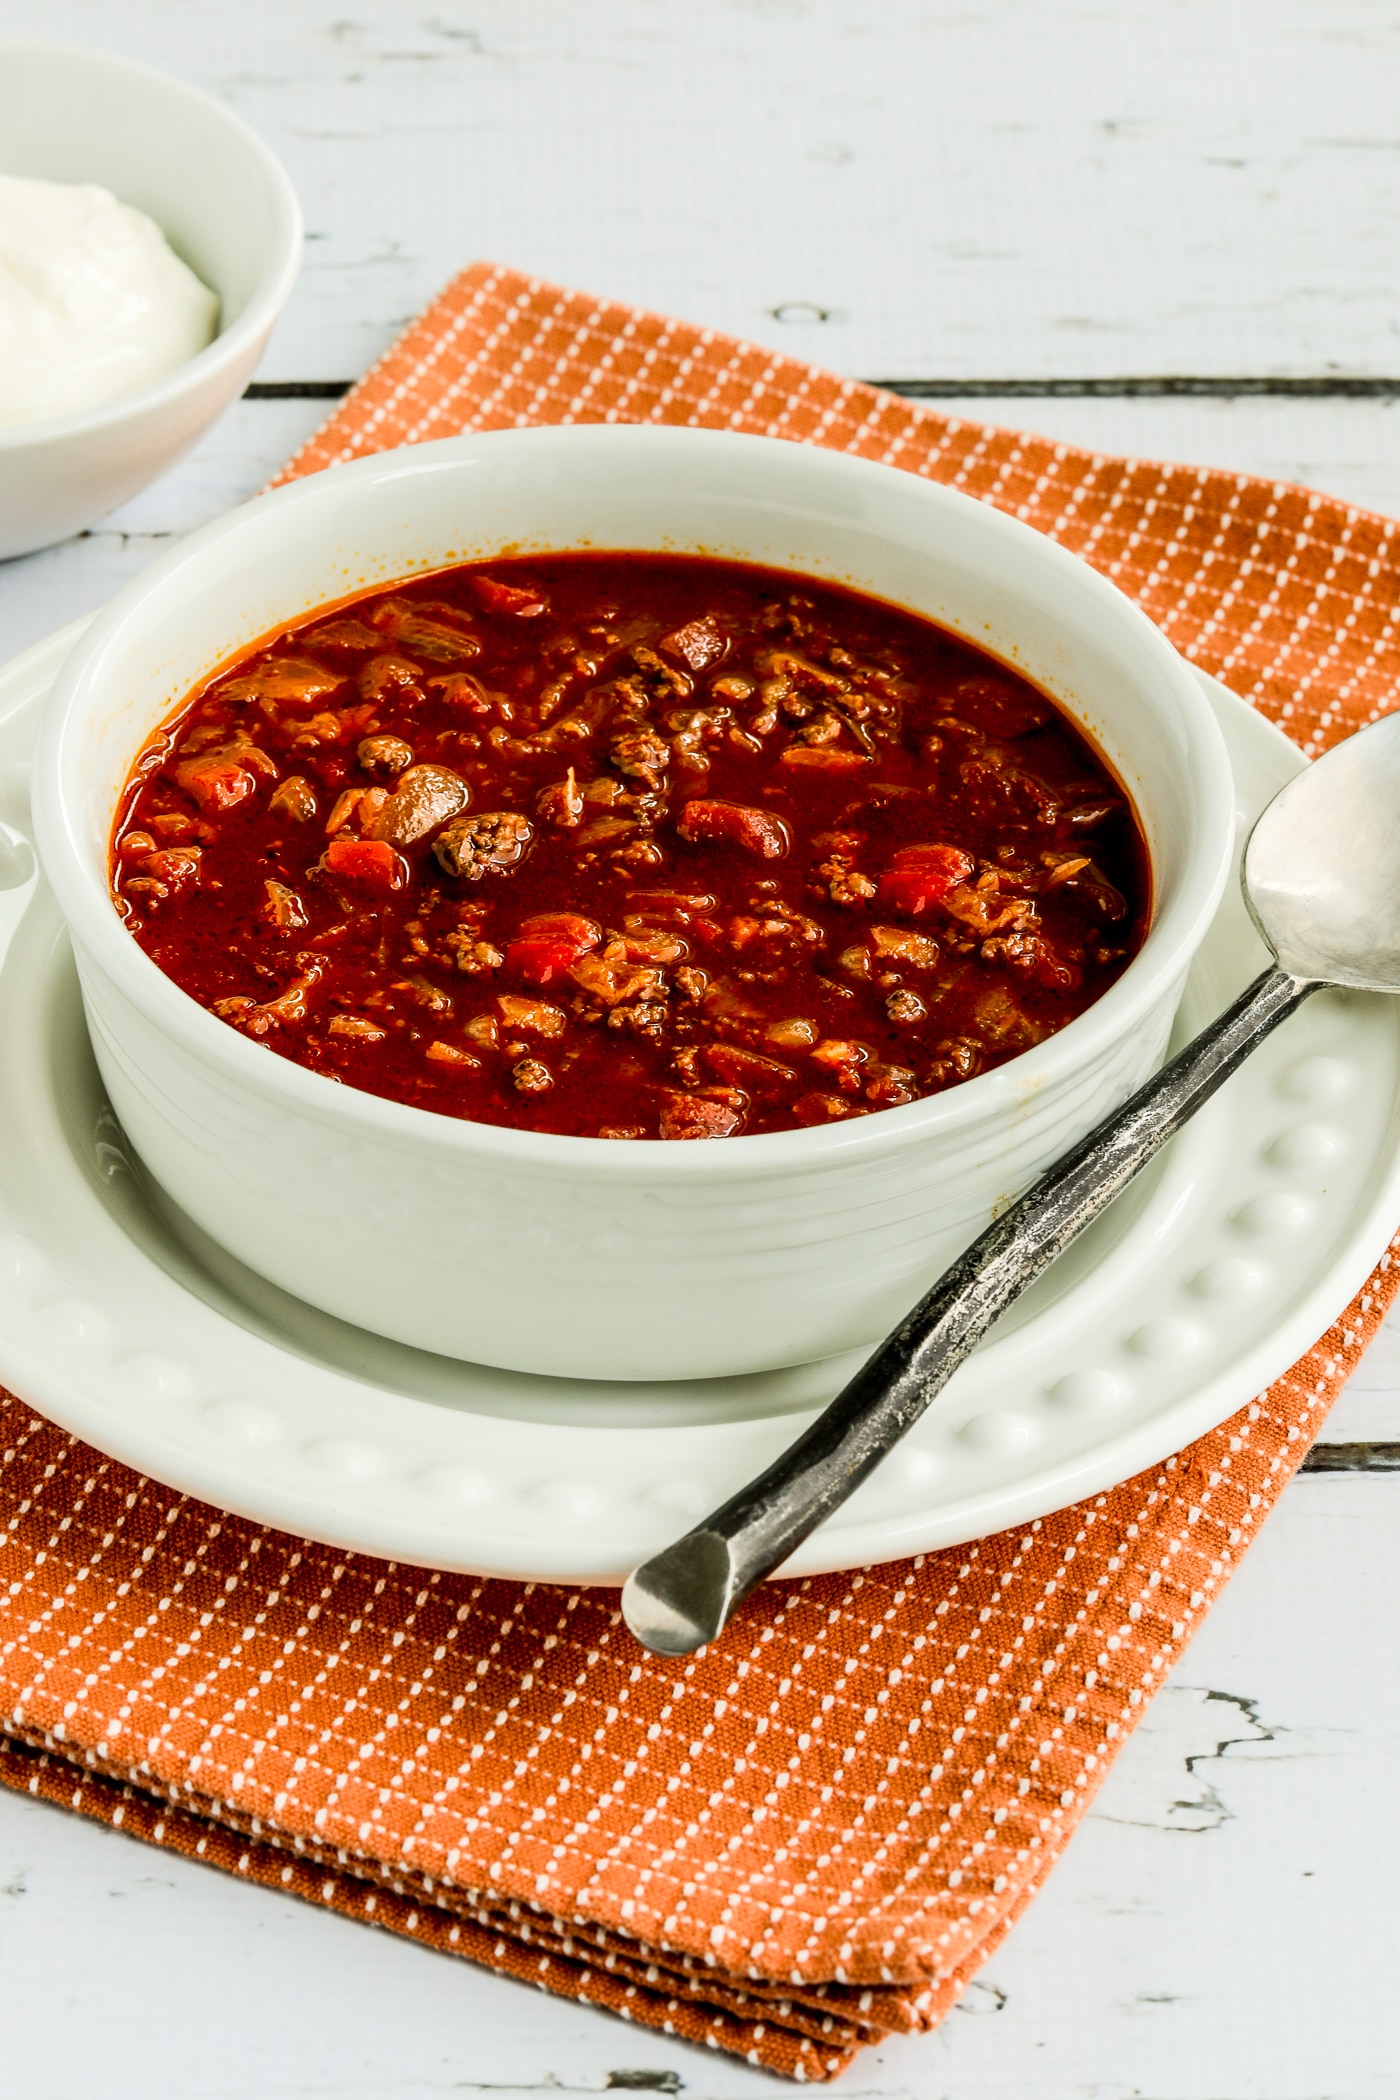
x: 631, y: 846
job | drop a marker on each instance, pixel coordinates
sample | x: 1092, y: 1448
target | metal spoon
x: 1321, y: 878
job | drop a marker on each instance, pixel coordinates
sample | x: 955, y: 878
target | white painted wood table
x: 1166, y: 230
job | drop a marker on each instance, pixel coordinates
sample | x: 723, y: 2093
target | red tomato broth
x: 631, y: 845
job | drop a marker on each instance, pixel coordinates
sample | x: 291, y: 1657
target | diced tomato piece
x: 699, y: 642
x: 668, y: 905
x: 173, y: 864
x: 698, y: 1116
x: 747, y: 1068
x: 820, y: 758
x: 920, y: 876
x: 546, y: 946
x: 496, y: 597
x: 897, y: 944
x: 540, y: 961
x: 215, y: 783
x: 366, y: 860
x: 843, y: 1060
x: 611, y: 984
x: 757, y: 831
x: 815, y: 1109
x: 564, y: 926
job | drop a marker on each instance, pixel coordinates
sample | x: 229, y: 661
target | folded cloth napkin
x: 811, y: 1834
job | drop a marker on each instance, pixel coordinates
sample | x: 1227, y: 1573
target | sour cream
x: 94, y: 302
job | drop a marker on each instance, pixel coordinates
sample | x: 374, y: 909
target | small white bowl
x: 570, y: 1255
x: 226, y: 206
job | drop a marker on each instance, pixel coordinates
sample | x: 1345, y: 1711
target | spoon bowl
x: 1321, y: 871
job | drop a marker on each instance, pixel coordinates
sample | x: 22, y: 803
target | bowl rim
x: 269, y: 295
x: 85, y: 897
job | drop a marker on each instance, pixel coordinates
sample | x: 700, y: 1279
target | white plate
x: 1202, y: 1284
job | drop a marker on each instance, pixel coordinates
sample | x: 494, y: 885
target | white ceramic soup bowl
x: 576, y: 1256
x: 226, y: 206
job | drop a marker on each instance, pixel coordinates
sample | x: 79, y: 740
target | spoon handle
x: 685, y: 1594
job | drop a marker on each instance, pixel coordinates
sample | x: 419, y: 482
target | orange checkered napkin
x: 812, y: 1833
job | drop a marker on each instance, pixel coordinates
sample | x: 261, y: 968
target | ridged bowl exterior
x: 571, y: 1256
x: 563, y: 1272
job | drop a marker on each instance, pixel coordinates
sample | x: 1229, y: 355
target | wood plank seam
x: 1353, y: 1458
x: 1140, y: 387
x: 1146, y: 387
